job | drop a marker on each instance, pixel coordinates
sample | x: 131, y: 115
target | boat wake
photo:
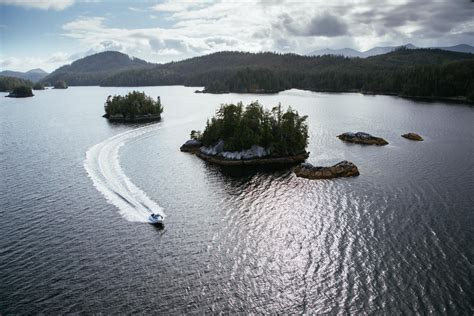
x: 103, y: 166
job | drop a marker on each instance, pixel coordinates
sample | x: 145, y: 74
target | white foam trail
x: 103, y: 166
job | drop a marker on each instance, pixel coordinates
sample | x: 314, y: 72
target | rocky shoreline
x: 268, y: 160
x: 254, y: 156
x: 138, y: 118
x: 342, y: 169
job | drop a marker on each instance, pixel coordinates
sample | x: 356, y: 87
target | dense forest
x: 21, y: 92
x: 407, y: 72
x: 283, y: 132
x: 7, y: 84
x: 131, y: 106
x: 92, y: 70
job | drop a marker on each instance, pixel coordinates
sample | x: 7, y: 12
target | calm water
x: 396, y: 239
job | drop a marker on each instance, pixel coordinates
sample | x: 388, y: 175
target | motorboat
x: 156, y: 219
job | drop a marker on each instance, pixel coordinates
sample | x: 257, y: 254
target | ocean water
x: 76, y: 191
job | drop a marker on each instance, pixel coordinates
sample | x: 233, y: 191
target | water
x: 76, y: 189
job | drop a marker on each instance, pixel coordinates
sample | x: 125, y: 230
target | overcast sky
x: 48, y: 34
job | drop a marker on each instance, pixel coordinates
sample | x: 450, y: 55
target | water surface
x: 396, y: 239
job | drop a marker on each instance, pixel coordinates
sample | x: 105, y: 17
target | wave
x: 103, y: 167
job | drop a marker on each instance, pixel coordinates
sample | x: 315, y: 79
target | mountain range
x: 349, y: 52
x: 406, y: 71
x: 33, y: 75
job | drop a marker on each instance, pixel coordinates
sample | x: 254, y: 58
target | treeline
x: 408, y: 72
x: 8, y: 84
x: 283, y: 132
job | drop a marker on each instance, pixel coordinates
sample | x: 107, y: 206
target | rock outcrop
x: 268, y: 160
x: 191, y: 146
x: 341, y: 169
x: 413, y: 136
x: 362, y: 138
x: 255, y: 155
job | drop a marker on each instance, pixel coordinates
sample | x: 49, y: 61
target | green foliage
x: 409, y: 72
x: 7, y: 84
x: 21, y: 92
x: 38, y: 86
x: 196, y: 135
x: 60, y: 84
x: 284, y: 133
x: 133, y: 104
x: 92, y: 70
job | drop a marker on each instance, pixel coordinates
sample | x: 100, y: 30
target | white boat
x: 156, y: 219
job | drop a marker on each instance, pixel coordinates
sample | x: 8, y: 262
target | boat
x: 156, y: 219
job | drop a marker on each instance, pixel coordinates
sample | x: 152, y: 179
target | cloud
x: 200, y: 27
x: 194, y: 28
x: 178, y: 6
x: 57, y: 5
x: 326, y: 25
x: 48, y: 64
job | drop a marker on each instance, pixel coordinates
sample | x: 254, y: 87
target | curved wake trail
x: 103, y: 166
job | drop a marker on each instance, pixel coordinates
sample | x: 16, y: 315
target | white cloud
x: 57, y: 5
x: 191, y: 28
x: 48, y: 64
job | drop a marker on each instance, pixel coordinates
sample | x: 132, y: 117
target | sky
x: 50, y: 33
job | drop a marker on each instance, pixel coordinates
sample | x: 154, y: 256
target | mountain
x: 91, y: 70
x: 349, y: 52
x: 430, y: 73
x: 32, y: 75
x: 462, y: 48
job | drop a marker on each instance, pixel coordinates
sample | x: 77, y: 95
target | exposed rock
x: 136, y: 118
x: 267, y: 160
x: 191, y: 146
x: 413, y: 136
x: 362, y: 138
x: 341, y: 169
x: 255, y: 155
x: 213, y: 150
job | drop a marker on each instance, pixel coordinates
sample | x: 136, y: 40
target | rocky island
x: 133, y: 107
x: 362, y: 138
x: 413, y: 136
x: 341, y: 169
x: 21, y: 92
x: 250, y: 135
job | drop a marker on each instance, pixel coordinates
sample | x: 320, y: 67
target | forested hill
x: 411, y: 72
x: 92, y: 70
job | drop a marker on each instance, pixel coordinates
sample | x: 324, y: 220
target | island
x: 362, y: 138
x: 38, y: 86
x: 413, y: 136
x: 133, y: 107
x: 342, y: 169
x: 60, y: 84
x: 21, y: 92
x: 251, y: 135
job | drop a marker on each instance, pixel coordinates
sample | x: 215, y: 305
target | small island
x: 251, y: 135
x: 362, y: 138
x: 38, y: 86
x: 133, y: 107
x: 21, y: 92
x: 342, y: 169
x: 413, y: 136
x: 60, y: 84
